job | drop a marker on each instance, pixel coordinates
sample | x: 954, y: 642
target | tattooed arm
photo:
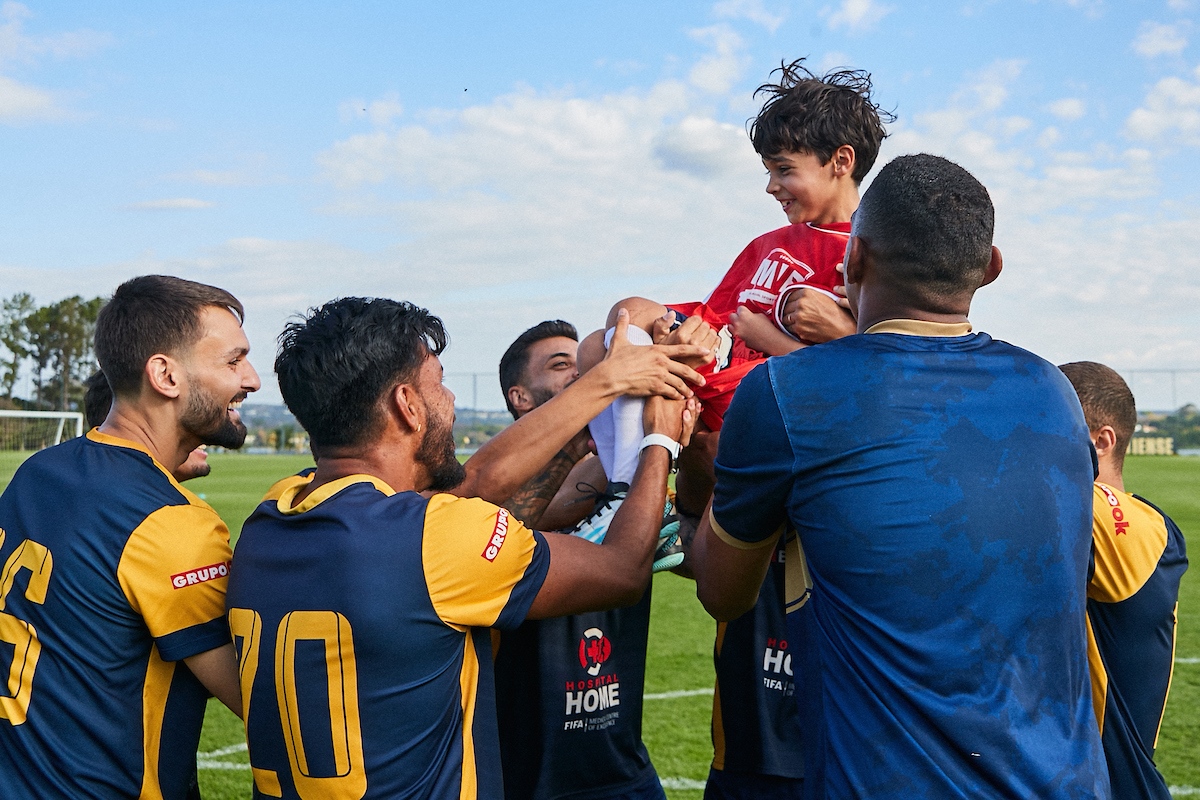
x: 529, y: 502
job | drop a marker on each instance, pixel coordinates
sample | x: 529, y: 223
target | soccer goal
x: 33, y: 430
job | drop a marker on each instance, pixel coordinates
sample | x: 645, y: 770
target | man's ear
x: 994, y: 267
x: 843, y: 161
x: 520, y: 399
x: 1105, y: 440
x: 855, y: 262
x: 407, y: 405
x: 165, y: 375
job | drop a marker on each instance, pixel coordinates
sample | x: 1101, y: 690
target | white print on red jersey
x: 200, y: 575
x: 498, y: 533
x: 779, y: 270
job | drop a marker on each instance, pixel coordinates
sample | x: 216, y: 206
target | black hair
x: 97, y: 400
x: 810, y: 114
x: 152, y: 314
x: 515, y: 360
x: 336, y: 365
x: 929, y: 223
x: 1106, y: 400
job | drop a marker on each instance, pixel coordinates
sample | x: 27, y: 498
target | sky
x: 503, y: 163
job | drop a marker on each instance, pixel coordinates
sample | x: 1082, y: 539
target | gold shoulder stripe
x: 738, y: 544
x: 323, y: 492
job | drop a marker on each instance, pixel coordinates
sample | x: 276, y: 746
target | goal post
x: 34, y: 430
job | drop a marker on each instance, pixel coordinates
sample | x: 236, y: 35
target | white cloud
x: 856, y: 15
x: 171, y: 204
x: 751, y: 10
x: 18, y: 46
x: 1068, y: 109
x: 1171, y: 109
x: 1179, y: 5
x: 1088, y: 248
x: 718, y: 71
x: 379, y: 112
x: 1156, y: 39
x: 23, y: 103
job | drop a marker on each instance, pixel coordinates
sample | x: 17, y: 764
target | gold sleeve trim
x: 738, y: 544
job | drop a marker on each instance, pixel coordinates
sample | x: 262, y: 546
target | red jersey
x: 760, y: 278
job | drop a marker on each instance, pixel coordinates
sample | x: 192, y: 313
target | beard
x: 436, y: 454
x: 207, y: 418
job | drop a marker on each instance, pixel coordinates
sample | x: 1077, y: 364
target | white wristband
x: 662, y: 440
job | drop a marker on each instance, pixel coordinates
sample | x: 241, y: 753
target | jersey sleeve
x: 483, y: 567
x: 174, y: 571
x: 754, y: 466
x: 1128, y: 540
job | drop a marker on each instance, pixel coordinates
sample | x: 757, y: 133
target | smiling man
x: 113, y: 584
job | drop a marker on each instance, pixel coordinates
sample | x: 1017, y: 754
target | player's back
x: 96, y: 710
x: 357, y: 678
x: 1139, y: 558
x: 941, y: 494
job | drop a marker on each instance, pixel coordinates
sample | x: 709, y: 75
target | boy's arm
x: 815, y: 317
x: 524, y: 448
x: 760, y: 333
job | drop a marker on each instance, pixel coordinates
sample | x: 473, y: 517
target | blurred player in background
x: 1138, y: 559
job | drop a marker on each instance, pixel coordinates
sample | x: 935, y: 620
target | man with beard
x: 113, y: 585
x: 360, y: 606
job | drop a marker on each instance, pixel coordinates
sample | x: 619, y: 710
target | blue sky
x: 502, y: 163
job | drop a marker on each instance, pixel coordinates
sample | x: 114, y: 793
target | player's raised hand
x: 813, y: 316
x: 693, y: 331
x: 642, y: 371
x: 673, y: 418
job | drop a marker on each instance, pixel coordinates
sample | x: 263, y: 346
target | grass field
x: 679, y: 668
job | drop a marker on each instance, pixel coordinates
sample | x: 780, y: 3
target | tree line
x: 53, y: 345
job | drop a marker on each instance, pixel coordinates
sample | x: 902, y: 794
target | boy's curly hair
x: 807, y: 113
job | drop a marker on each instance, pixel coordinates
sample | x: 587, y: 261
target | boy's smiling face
x: 808, y: 190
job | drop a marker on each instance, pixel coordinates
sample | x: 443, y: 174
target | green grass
x: 680, y: 657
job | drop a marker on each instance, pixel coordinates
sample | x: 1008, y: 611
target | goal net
x: 33, y: 430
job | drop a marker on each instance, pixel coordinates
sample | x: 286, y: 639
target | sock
x: 617, y: 430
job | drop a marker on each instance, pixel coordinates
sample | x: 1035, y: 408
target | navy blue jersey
x: 569, y: 702
x: 940, y: 483
x: 112, y: 573
x: 1138, y: 560
x: 360, y: 620
x: 755, y: 725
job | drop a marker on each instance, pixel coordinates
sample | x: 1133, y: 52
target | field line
x: 240, y: 747
x: 1184, y: 791
x: 682, y: 783
x: 1187, y: 661
x: 228, y: 765
x: 679, y: 693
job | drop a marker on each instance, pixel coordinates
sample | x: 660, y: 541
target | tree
x: 14, y: 336
x: 72, y: 327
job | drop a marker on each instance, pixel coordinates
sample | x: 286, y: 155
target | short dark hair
x: 929, y: 223
x: 1106, y: 400
x: 810, y: 114
x: 335, y: 365
x: 97, y: 400
x: 515, y: 360
x: 152, y: 314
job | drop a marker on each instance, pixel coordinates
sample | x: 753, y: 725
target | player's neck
x: 398, y: 470
x: 156, y: 430
x: 839, y: 210
x: 1111, y: 474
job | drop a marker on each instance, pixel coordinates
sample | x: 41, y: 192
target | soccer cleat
x: 595, y: 525
x: 669, y: 554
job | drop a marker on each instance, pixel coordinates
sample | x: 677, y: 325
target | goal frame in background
x: 74, y: 418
